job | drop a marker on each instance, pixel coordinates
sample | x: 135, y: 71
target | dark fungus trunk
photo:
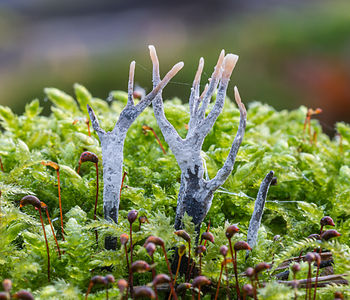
x: 194, y: 198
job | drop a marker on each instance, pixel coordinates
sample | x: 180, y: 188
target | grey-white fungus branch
x: 112, y: 144
x: 255, y: 220
x: 196, y: 193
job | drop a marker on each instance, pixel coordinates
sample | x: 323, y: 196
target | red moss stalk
x: 1, y: 165
x: 47, y: 246
x: 44, y: 206
x: 34, y: 201
x: 132, y: 215
x: 122, y: 185
x: 146, y: 128
x: 183, y: 234
x: 57, y: 168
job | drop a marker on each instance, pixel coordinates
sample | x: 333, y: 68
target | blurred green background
x: 291, y: 52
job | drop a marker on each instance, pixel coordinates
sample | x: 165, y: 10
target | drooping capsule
x: 150, y: 248
x: 88, y: 156
x: 327, y: 221
x: 207, y: 236
x: 155, y: 240
x: 23, y: 295
x: 296, y: 268
x: 231, y: 231
x: 7, y: 285
x: 261, y: 267
x: 144, y: 292
x: 183, y: 234
x: 161, y: 278
x: 31, y: 200
x: 250, y: 272
x: 248, y: 289
x: 223, y: 250
x: 328, y: 234
x: 98, y: 279
x: 200, y: 281
x: 122, y: 285
x: 124, y: 238
x: 140, y: 266
x: 110, y: 278
x: 132, y: 216
x: 241, y: 245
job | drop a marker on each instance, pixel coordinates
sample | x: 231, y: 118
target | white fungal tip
x: 229, y: 64
x: 199, y: 71
x: 153, y: 53
x: 237, y: 96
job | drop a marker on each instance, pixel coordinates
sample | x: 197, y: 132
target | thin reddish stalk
x: 308, y: 282
x: 200, y: 264
x: 121, y: 187
x: 89, y: 289
x: 177, y: 269
x: 177, y: 272
x: 1, y: 165
x: 236, y: 276
x: 127, y: 263
x: 155, y: 291
x: 97, y: 184
x: 189, y: 260
x: 156, y: 137
x: 218, y: 287
x: 316, y: 280
x: 199, y: 293
x: 254, y: 289
x: 53, y: 233
x: 131, y: 277
x: 88, y: 126
x: 227, y: 283
x: 171, y: 275
x: 208, y: 227
x: 153, y: 269
x: 47, y: 245
x: 295, y: 286
x: 59, y: 201
x: 79, y: 167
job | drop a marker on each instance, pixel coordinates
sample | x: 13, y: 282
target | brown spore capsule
x: 140, y: 266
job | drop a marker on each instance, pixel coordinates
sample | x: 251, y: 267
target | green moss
x: 313, y: 181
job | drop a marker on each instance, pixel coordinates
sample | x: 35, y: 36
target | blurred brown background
x: 292, y: 52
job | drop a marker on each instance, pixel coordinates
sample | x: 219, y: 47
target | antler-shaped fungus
x: 196, y: 193
x: 112, y: 144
